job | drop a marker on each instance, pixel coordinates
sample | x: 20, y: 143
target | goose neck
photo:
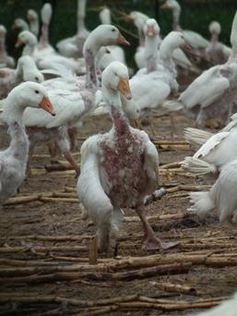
x: 151, y: 46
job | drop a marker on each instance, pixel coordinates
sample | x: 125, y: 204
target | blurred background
x: 196, y: 15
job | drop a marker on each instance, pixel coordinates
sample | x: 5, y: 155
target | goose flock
x: 49, y: 91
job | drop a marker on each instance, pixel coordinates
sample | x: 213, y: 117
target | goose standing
x: 211, y: 96
x: 217, y: 52
x: 5, y: 60
x: 72, y: 99
x: 119, y: 168
x: 197, y: 41
x: 73, y: 46
x: 13, y: 160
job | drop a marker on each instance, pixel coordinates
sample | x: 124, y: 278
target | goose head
x: 26, y: 37
x: 33, y: 95
x: 29, y: 70
x: 138, y: 19
x: 105, y: 16
x: 116, y: 79
x: 103, y: 35
x: 174, y: 40
x: 32, y: 15
x: 20, y: 24
x: 151, y: 28
x: 171, y: 4
x: 215, y: 28
x: 46, y: 13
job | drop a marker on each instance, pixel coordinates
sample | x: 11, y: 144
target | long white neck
x: 29, y: 48
x: 81, y: 14
x: 151, y: 46
x: 3, y: 52
x: 105, y: 16
x: 19, y: 145
x: 120, y: 121
x: 176, y: 10
x: 44, y: 37
x: 13, y: 109
x: 166, y: 50
x: 34, y: 27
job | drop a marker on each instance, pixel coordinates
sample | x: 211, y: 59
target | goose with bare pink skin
x: 119, y: 168
x: 13, y: 160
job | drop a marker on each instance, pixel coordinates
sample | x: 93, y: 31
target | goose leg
x: 151, y: 241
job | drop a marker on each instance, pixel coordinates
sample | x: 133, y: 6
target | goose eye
x: 37, y: 91
x: 37, y: 79
x: 113, y: 30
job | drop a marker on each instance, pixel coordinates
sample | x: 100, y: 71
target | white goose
x: 20, y: 25
x: 72, y: 99
x: 26, y: 71
x: 119, y: 168
x: 13, y: 160
x: 153, y: 84
x: 116, y: 51
x: 33, y: 19
x: 5, y: 59
x: 197, y: 41
x: 214, y: 92
x: 73, y: 46
x: 43, y: 59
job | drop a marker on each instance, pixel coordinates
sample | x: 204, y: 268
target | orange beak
x: 124, y: 89
x: 19, y: 42
x: 121, y: 40
x: 46, y: 105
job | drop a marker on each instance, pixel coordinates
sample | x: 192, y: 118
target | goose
x: 44, y: 60
x: 26, y: 71
x: 116, y: 51
x: 153, y: 84
x: 211, y: 96
x: 197, y: 41
x: 222, y: 196
x: 179, y: 56
x: 217, y: 53
x: 118, y: 168
x: 33, y: 19
x: 20, y: 25
x: 218, y: 150
x: 5, y: 60
x: 72, y: 99
x: 13, y: 160
x: 73, y: 46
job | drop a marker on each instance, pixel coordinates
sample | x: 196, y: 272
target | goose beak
x: 124, y: 89
x: 19, y: 42
x: 121, y: 40
x: 46, y: 105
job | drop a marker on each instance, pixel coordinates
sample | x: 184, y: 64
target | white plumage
x: 119, y: 168
x: 13, y: 160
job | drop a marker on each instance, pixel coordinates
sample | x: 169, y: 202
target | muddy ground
x: 44, y: 246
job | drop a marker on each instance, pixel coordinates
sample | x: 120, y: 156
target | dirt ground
x: 44, y: 250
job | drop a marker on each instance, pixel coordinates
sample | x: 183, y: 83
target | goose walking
x: 119, y: 168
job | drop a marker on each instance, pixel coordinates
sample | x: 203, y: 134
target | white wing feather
x: 211, y: 144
